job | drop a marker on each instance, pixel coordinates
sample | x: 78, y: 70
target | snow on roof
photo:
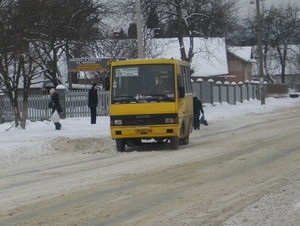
x: 209, y: 59
x: 242, y: 52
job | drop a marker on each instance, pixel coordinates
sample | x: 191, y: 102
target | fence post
x: 234, y: 92
x: 1, y: 108
x: 61, y: 90
x: 200, y: 80
x: 247, y: 88
x: 226, y: 83
x: 219, y: 83
x: 211, y: 81
x: 253, y: 89
x: 257, y: 89
x: 241, y: 91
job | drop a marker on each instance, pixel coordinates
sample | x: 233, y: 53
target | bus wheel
x: 120, y: 145
x: 174, y: 142
x: 186, y: 140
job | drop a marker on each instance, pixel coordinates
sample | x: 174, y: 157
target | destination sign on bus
x: 127, y: 72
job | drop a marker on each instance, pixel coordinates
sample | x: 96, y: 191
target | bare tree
x: 10, y: 57
x: 17, y: 60
x: 281, y: 27
x: 195, y: 18
x: 111, y: 48
x: 60, y: 24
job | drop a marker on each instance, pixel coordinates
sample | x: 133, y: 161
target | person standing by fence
x: 93, y: 102
x: 198, y: 108
x: 54, y: 104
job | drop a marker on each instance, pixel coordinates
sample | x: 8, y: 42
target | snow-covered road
x: 243, y: 169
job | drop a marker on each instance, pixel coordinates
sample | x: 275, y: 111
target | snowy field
x: 18, y: 144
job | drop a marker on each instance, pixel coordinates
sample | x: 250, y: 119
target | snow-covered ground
x: 243, y: 169
x: 17, y: 144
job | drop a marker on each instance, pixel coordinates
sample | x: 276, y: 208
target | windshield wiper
x: 125, y: 98
x: 157, y: 97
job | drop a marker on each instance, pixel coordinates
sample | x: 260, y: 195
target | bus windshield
x: 143, y: 83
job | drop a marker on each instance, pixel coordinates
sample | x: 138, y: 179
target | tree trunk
x: 182, y: 48
x: 283, y: 73
x: 16, y: 111
x: 191, y: 50
x: 24, y: 113
x: 26, y: 91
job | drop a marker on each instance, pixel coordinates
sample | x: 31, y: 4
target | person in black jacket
x: 93, y: 102
x: 197, y: 110
x: 54, y: 104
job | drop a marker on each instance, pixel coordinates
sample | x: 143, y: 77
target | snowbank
x: 40, y: 138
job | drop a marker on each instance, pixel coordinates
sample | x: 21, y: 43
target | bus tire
x: 185, y: 140
x: 174, y: 142
x: 120, y: 143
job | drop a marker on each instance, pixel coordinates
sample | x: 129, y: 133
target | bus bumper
x: 119, y: 132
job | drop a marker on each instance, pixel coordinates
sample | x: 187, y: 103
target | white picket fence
x: 76, y: 105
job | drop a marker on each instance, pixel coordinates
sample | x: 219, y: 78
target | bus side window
x: 185, y: 79
x: 189, y: 80
x: 180, y: 78
x: 181, y: 89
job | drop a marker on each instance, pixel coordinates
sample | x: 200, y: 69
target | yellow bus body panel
x: 145, y: 108
x: 148, y: 61
x: 182, y: 107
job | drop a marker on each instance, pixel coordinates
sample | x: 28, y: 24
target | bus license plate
x: 143, y: 131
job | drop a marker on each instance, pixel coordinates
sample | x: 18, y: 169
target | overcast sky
x: 247, y: 8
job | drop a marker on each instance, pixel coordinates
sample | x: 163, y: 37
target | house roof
x: 210, y: 58
x: 244, y: 53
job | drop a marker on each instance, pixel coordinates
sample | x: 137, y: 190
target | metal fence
x: 75, y: 102
x: 76, y: 105
x: 212, y: 93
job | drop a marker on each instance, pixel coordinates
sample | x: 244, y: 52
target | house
x: 209, y: 60
x: 240, y: 63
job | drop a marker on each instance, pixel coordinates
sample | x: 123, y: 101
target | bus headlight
x: 170, y: 120
x: 118, y: 122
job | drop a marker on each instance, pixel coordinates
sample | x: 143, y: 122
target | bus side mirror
x: 181, y: 92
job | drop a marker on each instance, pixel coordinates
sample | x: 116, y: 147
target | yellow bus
x: 150, y: 100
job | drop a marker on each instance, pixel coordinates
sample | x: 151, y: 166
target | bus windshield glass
x: 143, y: 83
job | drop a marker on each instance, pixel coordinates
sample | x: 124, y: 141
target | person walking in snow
x: 93, y: 102
x: 198, y: 108
x: 54, y: 104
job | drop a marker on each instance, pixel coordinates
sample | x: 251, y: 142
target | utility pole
x: 260, y: 53
x: 139, y: 29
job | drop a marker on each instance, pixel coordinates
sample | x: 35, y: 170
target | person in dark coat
x: 93, y: 102
x: 198, y: 108
x: 54, y: 104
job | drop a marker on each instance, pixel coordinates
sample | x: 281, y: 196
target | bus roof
x: 149, y: 61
